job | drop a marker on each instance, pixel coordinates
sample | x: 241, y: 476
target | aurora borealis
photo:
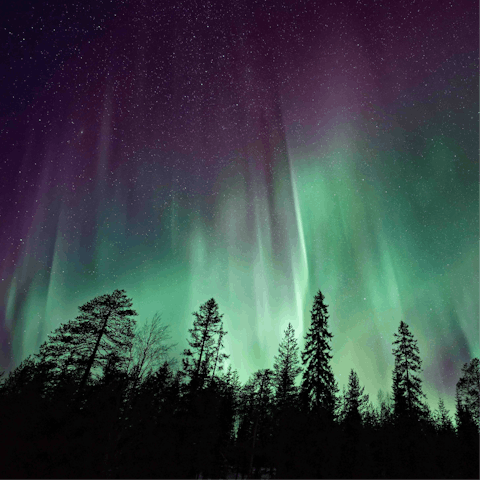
x: 253, y: 153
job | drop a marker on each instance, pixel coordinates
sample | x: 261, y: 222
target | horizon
x: 432, y: 398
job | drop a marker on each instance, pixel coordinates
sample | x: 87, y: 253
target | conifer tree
x: 442, y: 419
x: 385, y: 407
x: 255, y: 417
x: 407, y: 385
x: 341, y: 412
x: 218, y: 356
x: 318, y: 389
x: 256, y: 400
x: 355, y: 400
x: 104, y: 327
x: 21, y: 378
x: 286, y: 368
x: 468, y: 395
x: 467, y: 413
x: 199, y: 359
x: 230, y: 390
x: 444, y: 442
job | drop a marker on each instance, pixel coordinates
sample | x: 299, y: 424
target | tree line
x: 104, y: 398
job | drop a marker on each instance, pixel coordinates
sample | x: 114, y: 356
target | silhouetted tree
x: 286, y: 368
x: 443, y: 444
x: 355, y: 400
x: 151, y: 444
x: 468, y: 460
x: 218, y: 356
x: 386, y: 406
x: 113, y: 328
x: 318, y: 388
x: 231, y: 388
x: 408, y: 396
x: 222, y: 397
x: 468, y: 395
x: 318, y: 395
x: 20, y: 378
x: 467, y: 413
x: 25, y: 419
x: 105, y: 325
x: 149, y: 349
x: 411, y: 417
x: 140, y: 418
x: 199, y: 359
x: 255, y: 426
x: 355, y: 404
x: 442, y: 419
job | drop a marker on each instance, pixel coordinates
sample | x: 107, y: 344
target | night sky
x: 254, y: 152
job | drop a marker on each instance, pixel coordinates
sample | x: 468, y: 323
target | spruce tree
x: 355, y: 400
x: 411, y: 415
x: 255, y: 423
x: 467, y: 413
x: 286, y: 368
x: 200, y: 362
x: 318, y: 388
x: 443, y: 422
x: 468, y: 434
x: 199, y: 359
x: 445, y: 453
x: 230, y: 390
x: 408, y: 396
x: 468, y: 395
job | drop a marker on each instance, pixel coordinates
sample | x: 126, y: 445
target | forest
x: 105, y: 398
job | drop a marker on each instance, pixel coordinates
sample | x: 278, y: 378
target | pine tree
x: 355, y: 403
x: 407, y: 385
x: 468, y: 395
x: 467, y: 413
x: 104, y: 327
x: 230, y: 390
x: 286, y: 368
x: 255, y: 412
x: 318, y: 389
x: 410, y: 415
x: 21, y: 378
x: 443, y: 422
x: 445, y: 454
x: 341, y: 412
x: 355, y: 400
x: 198, y: 361
x: 218, y: 356
x: 385, y: 408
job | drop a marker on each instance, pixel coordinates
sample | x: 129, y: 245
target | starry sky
x: 250, y: 151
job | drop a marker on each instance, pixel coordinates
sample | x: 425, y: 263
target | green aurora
x: 375, y: 203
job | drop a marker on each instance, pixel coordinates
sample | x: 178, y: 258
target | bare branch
x: 149, y: 350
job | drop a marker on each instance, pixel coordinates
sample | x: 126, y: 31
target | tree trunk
x: 250, y: 469
x: 92, y: 357
x: 197, y: 373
